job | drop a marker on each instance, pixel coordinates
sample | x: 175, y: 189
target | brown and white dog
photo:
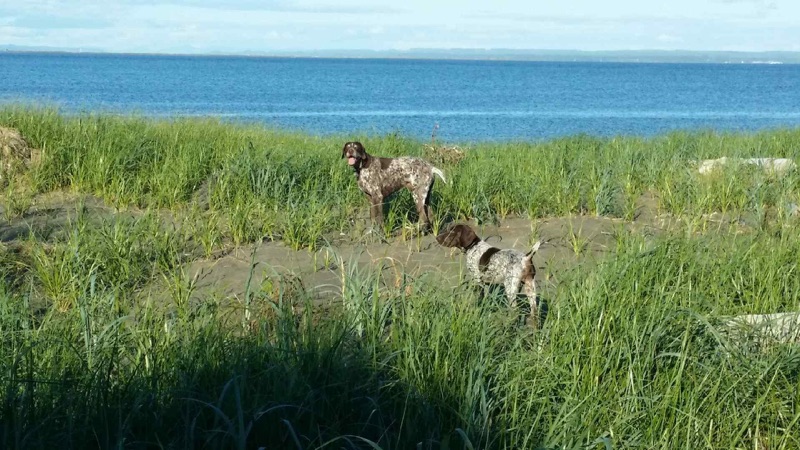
x: 380, y: 177
x: 488, y: 265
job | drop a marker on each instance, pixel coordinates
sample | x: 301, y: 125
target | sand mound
x: 15, y: 154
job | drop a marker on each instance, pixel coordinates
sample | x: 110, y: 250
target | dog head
x: 355, y: 153
x: 459, y: 236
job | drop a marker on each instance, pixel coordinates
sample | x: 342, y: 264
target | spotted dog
x: 380, y: 177
x: 489, y: 265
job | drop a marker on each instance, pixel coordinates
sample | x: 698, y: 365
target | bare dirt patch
x: 567, y: 242
x: 51, y: 215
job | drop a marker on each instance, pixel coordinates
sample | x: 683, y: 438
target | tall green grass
x: 261, y: 183
x: 105, y: 343
x: 632, y: 354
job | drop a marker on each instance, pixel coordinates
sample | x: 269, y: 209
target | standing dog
x: 489, y: 265
x: 380, y: 177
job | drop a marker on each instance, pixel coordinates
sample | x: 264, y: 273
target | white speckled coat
x: 489, y: 265
x: 380, y: 177
x: 512, y: 269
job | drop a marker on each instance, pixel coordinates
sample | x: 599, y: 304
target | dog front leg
x: 376, y: 211
x: 480, y: 290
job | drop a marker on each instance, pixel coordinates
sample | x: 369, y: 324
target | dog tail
x: 439, y: 173
x: 534, y: 249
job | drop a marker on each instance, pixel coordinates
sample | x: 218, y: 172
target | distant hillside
x: 45, y: 49
x: 652, y: 56
x: 663, y: 56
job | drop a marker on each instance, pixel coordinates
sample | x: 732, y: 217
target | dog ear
x: 468, y: 237
x: 344, y: 149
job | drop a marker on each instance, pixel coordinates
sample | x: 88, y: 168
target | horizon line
x: 456, y: 53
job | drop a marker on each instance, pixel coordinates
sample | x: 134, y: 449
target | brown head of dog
x: 459, y: 236
x: 355, y: 153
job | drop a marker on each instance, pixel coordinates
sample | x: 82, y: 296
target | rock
x: 769, y: 165
x: 780, y: 327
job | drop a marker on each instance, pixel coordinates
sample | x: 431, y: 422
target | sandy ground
x: 567, y: 241
x: 321, y: 271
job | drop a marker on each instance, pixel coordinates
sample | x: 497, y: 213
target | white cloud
x: 251, y: 25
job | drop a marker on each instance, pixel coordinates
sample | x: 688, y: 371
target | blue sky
x: 197, y: 26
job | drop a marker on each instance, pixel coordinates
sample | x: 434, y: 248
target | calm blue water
x: 470, y: 100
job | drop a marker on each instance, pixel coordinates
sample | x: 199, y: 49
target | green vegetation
x: 102, y: 343
x: 254, y: 183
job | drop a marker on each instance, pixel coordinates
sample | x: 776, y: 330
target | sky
x: 241, y: 26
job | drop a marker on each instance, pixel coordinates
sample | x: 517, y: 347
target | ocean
x: 469, y: 100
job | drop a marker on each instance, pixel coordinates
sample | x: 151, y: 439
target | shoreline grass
x: 632, y: 354
x: 257, y: 182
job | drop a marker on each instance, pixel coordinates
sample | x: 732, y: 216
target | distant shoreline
x: 620, y: 56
